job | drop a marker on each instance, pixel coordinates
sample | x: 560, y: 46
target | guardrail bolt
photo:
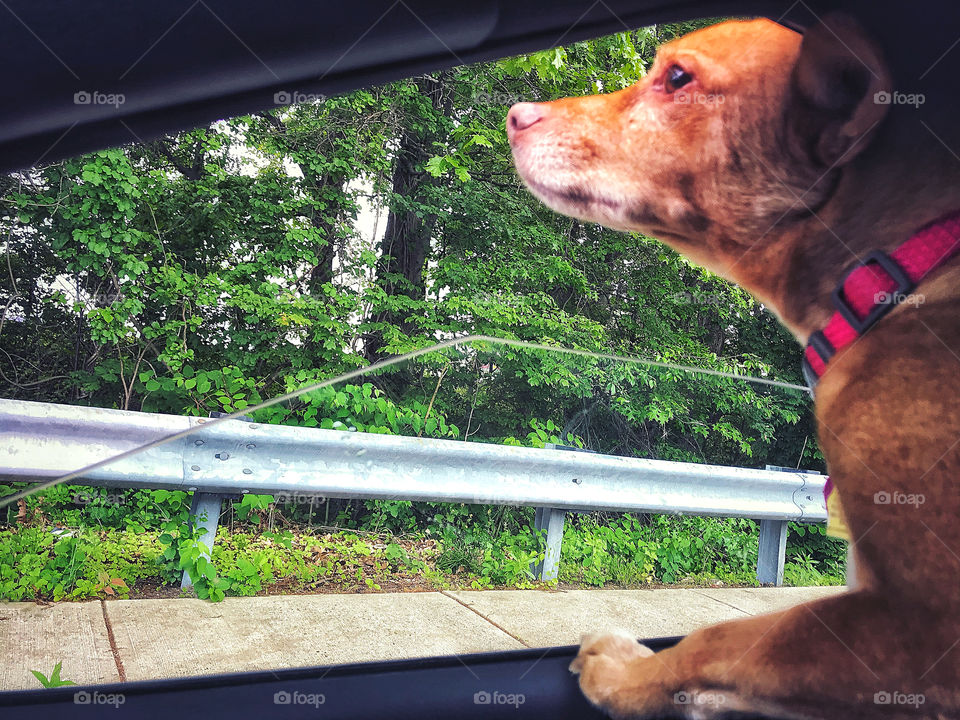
x: 222, y: 456
x: 247, y: 471
x: 198, y: 443
x: 577, y: 481
x: 194, y: 467
x: 251, y: 446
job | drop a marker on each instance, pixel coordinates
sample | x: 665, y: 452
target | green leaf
x: 436, y: 166
x: 44, y: 682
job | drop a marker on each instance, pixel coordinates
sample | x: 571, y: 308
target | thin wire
x: 374, y: 367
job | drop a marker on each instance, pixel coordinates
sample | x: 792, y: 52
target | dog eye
x: 676, y: 78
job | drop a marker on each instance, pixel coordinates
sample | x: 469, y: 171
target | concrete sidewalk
x: 101, y: 642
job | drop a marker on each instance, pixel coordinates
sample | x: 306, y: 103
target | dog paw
x: 605, y: 667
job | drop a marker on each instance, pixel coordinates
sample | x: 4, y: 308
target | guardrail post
x: 551, y: 520
x: 773, y: 541
x: 205, y: 511
x: 773, y: 548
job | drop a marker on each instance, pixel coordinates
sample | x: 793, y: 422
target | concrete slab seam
x: 113, y: 643
x: 484, y: 617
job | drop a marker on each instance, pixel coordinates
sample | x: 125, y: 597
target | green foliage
x: 357, y: 408
x: 37, y: 563
x: 694, y: 546
x: 540, y: 435
x: 492, y: 560
x: 617, y: 552
x: 463, y: 545
x: 813, y: 557
x: 184, y: 552
x: 81, y: 506
x: 250, y: 503
x: 116, y: 563
x: 804, y: 570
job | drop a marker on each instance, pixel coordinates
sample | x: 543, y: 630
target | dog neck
x: 879, y: 202
x: 877, y: 286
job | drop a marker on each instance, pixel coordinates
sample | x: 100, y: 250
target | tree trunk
x: 406, y: 240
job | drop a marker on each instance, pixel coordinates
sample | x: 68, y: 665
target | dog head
x: 738, y: 133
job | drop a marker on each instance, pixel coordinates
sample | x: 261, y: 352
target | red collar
x: 875, y: 286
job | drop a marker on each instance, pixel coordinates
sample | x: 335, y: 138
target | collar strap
x: 875, y: 286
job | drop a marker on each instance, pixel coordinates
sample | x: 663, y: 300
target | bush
x: 725, y: 548
x: 39, y: 563
x: 617, y: 552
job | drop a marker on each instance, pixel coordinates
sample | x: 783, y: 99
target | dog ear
x: 840, y: 90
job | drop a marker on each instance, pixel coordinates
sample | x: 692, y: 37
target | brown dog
x: 780, y: 161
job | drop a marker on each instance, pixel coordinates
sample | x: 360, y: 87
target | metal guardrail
x: 40, y: 441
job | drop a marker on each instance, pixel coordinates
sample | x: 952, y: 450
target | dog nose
x: 523, y: 115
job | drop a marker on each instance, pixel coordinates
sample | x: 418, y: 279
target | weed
x: 79, y: 542
x: 54, y: 680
